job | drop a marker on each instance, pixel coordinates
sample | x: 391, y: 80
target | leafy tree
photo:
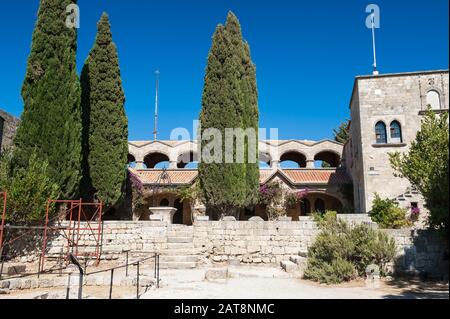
x: 388, y: 214
x: 105, y: 125
x: 425, y: 165
x: 342, y: 134
x: 230, y: 100
x: 28, y: 189
x: 51, y: 120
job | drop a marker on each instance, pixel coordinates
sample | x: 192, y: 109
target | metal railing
x: 83, y: 274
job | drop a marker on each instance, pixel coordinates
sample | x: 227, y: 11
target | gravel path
x: 272, y: 283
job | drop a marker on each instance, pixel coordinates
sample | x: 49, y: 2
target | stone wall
x: 255, y: 242
x: 387, y: 98
x: 8, y: 127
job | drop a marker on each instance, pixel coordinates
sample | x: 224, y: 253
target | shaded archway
x: 153, y: 159
x: 178, y: 216
x: 305, y: 207
x: 131, y: 161
x: 187, y: 160
x: 164, y: 203
x: 331, y: 159
x: 293, y: 157
x: 320, y: 201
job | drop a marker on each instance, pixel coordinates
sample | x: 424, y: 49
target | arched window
x: 434, y: 100
x: 396, y: 132
x: 380, y: 131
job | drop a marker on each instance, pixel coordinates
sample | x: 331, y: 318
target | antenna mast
x: 375, y: 71
x: 155, y: 132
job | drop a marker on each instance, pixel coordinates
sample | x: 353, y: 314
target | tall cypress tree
x: 105, y: 125
x: 230, y: 100
x: 51, y: 121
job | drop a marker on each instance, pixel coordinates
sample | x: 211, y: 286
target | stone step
x: 180, y: 252
x: 179, y: 228
x: 288, y: 266
x: 177, y: 265
x: 298, y: 260
x: 178, y: 245
x: 174, y: 233
x: 178, y: 258
x: 179, y: 239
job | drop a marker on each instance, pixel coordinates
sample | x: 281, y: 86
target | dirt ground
x: 247, y: 282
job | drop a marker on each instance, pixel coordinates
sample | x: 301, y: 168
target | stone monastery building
x: 386, y: 112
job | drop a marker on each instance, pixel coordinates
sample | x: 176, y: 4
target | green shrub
x: 341, y: 253
x: 388, y: 214
x: 28, y: 189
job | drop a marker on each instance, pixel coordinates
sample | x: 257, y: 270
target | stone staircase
x: 296, y: 264
x: 411, y: 195
x: 180, y: 252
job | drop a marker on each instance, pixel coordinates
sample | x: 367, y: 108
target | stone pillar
x: 173, y: 165
x: 310, y: 163
x: 140, y: 165
x: 275, y: 164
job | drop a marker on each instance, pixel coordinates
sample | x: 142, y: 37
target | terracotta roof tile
x: 318, y: 176
x: 295, y: 176
x: 177, y: 177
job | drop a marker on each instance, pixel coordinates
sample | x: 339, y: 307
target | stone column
x: 140, y: 165
x: 173, y: 165
x: 310, y: 163
x: 275, y: 164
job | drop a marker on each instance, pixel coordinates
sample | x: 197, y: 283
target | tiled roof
x: 295, y: 176
x: 176, y: 177
x: 317, y: 176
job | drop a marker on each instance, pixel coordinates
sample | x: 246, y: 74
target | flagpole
x: 375, y: 71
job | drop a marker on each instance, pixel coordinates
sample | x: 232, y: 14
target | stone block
x: 217, y: 274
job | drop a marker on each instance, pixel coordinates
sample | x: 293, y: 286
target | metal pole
x: 60, y: 262
x: 111, y: 284
x: 68, y: 289
x: 2, y: 226
x: 157, y: 278
x: 126, y: 268
x: 155, y: 132
x: 155, y: 264
x: 80, y: 286
x: 137, y: 281
x: 2, y: 260
x: 39, y: 266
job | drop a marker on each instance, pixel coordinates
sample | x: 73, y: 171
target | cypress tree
x: 51, y: 120
x: 105, y: 125
x: 230, y: 100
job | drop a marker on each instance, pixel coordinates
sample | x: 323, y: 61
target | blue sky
x: 307, y: 54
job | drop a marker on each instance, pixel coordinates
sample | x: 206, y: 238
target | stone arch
x: 330, y: 157
x: 433, y: 99
x: 294, y: 156
x: 155, y: 158
x: 184, y: 159
x: 330, y: 201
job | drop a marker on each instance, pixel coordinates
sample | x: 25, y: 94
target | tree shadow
x: 417, y: 288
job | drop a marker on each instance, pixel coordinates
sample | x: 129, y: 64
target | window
x: 380, y: 131
x: 434, y: 100
x: 396, y: 132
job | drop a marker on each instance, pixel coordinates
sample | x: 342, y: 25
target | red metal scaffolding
x: 2, y: 225
x: 82, y: 219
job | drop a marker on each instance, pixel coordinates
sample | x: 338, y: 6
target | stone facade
x: 384, y: 99
x: 250, y: 242
x: 8, y: 127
